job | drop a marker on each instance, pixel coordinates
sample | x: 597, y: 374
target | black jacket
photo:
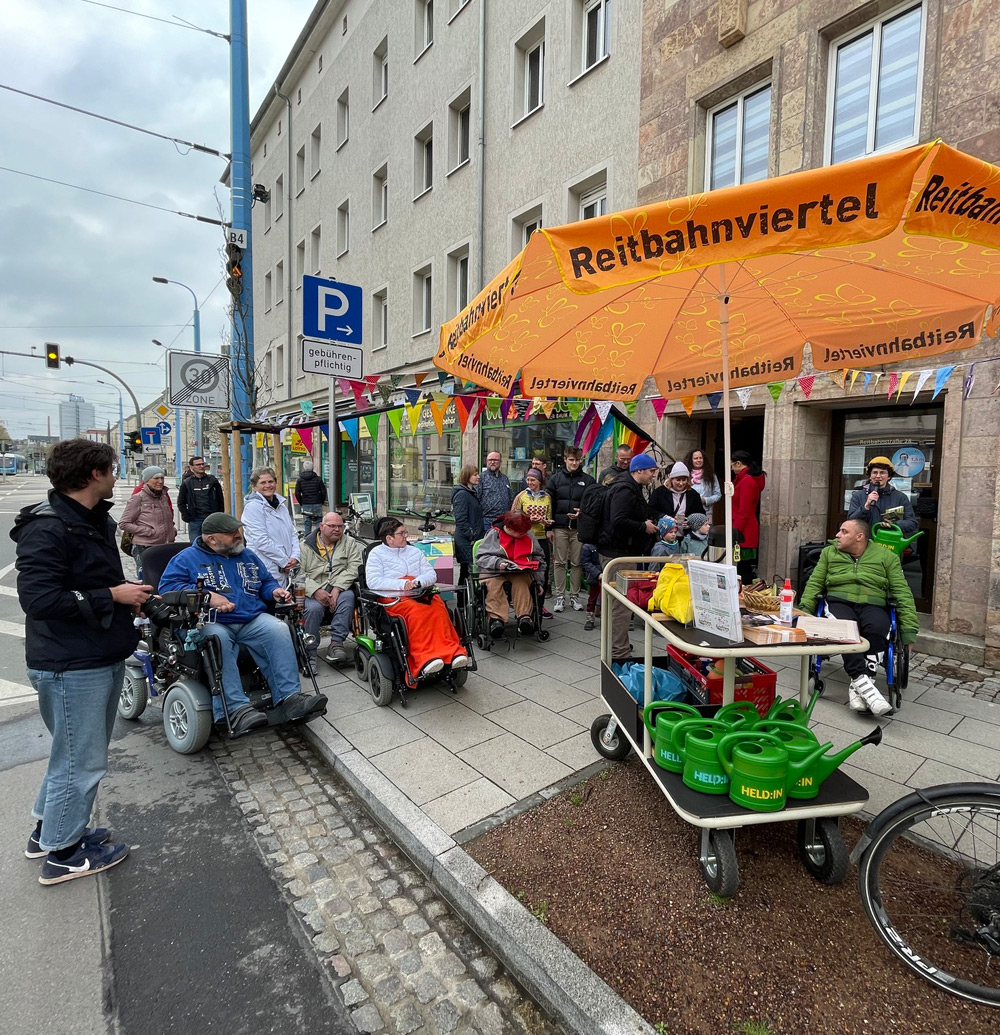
x: 200, y: 497
x: 468, y: 514
x: 310, y: 490
x: 67, y: 561
x: 623, y: 531
x: 662, y: 502
x: 613, y: 469
x: 566, y: 491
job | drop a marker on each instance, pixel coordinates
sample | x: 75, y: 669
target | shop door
x: 746, y: 433
x: 911, y: 439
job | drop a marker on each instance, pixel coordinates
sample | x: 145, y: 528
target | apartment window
x: 380, y: 73
x: 279, y: 365
x: 343, y: 117
x: 380, y: 196
x: 380, y: 319
x: 458, y: 279
x: 423, y: 160
x: 529, y: 79
x: 875, y: 86
x: 316, y: 146
x: 343, y: 31
x: 592, y: 29
x: 267, y: 214
x: 319, y: 64
x: 523, y: 226
x: 315, y: 244
x: 423, y: 298
x: 298, y: 95
x: 279, y: 283
x: 343, y: 227
x: 300, y: 263
x: 593, y: 202
x: 300, y: 170
x: 459, y: 129
x: 279, y: 198
x: 739, y: 134
x: 423, y: 25
x: 268, y: 294
x: 268, y: 370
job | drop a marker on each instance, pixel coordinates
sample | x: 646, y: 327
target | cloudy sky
x: 76, y: 267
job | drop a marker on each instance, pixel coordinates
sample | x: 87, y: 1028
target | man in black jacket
x: 566, y: 489
x: 310, y: 494
x: 200, y: 495
x: 626, y: 532
x: 78, y: 633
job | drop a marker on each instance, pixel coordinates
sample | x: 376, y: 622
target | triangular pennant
x: 603, y: 408
x: 838, y: 377
x: 493, y: 404
x: 413, y: 414
x: 854, y: 377
x: 505, y: 409
x: 395, y: 380
x: 806, y: 384
x: 478, y: 411
x: 970, y: 380
x: 893, y: 382
x: 878, y: 377
x: 324, y: 430
x: 775, y: 388
x: 306, y: 436
x: 688, y: 401
x: 903, y: 378
x: 941, y: 376
x: 743, y: 394
x: 522, y: 408
x: 659, y: 405
x: 418, y: 379
x: 371, y: 423
x: 438, y: 405
x: 463, y: 407
x: 351, y: 427
x: 442, y: 377
x: 371, y: 380
x: 868, y: 381
x: 395, y: 419
x: 385, y: 391
x: 630, y: 407
x: 714, y: 398
x: 306, y: 406
x: 548, y: 407
x: 345, y: 385
x: 358, y: 389
x: 412, y: 395
x: 922, y: 378
x: 575, y: 407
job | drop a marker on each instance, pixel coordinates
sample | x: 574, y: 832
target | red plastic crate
x: 757, y: 686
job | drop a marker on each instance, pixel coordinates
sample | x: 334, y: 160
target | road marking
x: 7, y: 591
x: 4, y: 572
x: 11, y: 629
x: 15, y: 693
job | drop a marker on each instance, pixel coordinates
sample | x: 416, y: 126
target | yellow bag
x: 672, y: 595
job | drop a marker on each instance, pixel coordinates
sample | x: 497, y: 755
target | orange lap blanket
x: 428, y: 628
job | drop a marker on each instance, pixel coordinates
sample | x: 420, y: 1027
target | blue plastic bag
x: 667, y: 685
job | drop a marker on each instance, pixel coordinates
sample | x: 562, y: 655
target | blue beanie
x: 642, y: 462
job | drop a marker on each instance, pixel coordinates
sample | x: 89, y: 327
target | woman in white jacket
x: 403, y: 574
x: 267, y: 526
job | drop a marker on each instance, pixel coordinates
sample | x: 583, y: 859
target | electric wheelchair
x: 175, y: 660
x: 478, y: 618
x: 380, y: 655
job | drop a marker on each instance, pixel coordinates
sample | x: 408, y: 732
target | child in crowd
x: 591, y: 561
x: 696, y: 540
x: 668, y: 544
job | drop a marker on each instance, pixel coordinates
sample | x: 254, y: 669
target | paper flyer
x: 716, y: 600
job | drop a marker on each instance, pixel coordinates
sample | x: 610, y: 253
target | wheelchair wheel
x: 134, y: 694
x: 360, y: 661
x: 187, y: 729
x: 460, y: 678
x: 380, y: 683
x: 543, y: 635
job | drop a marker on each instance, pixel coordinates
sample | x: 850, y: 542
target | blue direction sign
x: 150, y: 436
x: 163, y: 428
x: 331, y: 310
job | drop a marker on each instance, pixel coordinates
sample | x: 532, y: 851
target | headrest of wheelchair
x: 717, y: 536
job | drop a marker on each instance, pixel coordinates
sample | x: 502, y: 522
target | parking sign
x: 331, y: 310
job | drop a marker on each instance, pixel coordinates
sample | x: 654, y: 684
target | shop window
x: 357, y: 467
x: 519, y: 442
x: 424, y: 467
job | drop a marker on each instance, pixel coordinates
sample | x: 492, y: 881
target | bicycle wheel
x: 930, y: 884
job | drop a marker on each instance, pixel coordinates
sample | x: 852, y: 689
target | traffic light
x: 134, y: 440
x: 234, y: 269
x: 52, y: 355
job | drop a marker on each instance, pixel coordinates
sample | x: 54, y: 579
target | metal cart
x: 821, y: 844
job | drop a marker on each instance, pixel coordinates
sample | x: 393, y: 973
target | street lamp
x: 121, y: 418
x: 177, y: 432
x: 197, y: 348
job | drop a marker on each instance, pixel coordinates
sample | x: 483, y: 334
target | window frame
x: 423, y: 300
x: 380, y: 202
x: 529, y: 43
x: 603, y: 7
x: 343, y: 224
x: 300, y: 170
x: 316, y: 150
x: 423, y: 161
x: 739, y: 101
x: 460, y: 130
x: 380, y: 318
x: 380, y: 72
x: 344, y: 117
x: 423, y: 27
x: 597, y: 194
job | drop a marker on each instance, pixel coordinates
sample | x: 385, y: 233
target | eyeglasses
x: 399, y: 531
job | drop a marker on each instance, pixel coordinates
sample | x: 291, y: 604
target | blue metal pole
x: 242, y: 355
x: 198, y: 445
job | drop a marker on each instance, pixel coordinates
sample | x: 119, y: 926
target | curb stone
x: 561, y: 983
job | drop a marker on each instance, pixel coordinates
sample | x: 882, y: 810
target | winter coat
x: 613, y: 469
x: 149, y: 518
x: 746, y: 494
x: 388, y: 565
x: 495, y: 493
x: 468, y: 514
x: 888, y: 498
x: 336, y: 571
x: 243, y: 579
x: 200, y: 496
x: 310, y: 490
x: 694, y: 544
x: 492, y: 552
x: 662, y: 502
x: 868, y: 579
x: 269, y: 532
x: 591, y: 561
x: 538, y: 506
x: 67, y: 561
x: 623, y: 528
x: 566, y: 491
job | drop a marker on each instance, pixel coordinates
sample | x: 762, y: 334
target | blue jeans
x: 340, y: 619
x: 312, y: 516
x: 194, y: 528
x: 269, y: 641
x: 78, y: 708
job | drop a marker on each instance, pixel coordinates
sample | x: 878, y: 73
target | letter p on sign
x: 331, y: 310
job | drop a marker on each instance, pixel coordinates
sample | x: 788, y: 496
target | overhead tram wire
x: 180, y: 23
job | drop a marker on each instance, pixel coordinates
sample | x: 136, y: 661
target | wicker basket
x: 765, y: 602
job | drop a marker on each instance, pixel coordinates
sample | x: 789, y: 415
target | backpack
x: 591, y: 518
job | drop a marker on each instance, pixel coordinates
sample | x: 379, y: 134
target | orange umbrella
x: 886, y: 259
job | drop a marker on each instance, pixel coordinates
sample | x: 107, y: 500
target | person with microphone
x: 876, y: 498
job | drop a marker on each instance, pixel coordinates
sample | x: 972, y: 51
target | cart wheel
x: 134, y: 694
x: 543, y: 635
x: 718, y: 864
x: 614, y: 747
x: 379, y: 682
x: 823, y: 852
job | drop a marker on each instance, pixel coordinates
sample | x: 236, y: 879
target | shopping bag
x: 672, y: 595
x: 667, y: 685
x: 126, y: 544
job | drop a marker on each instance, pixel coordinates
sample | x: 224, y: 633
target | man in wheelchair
x: 404, y: 576
x: 858, y: 578
x: 510, y: 554
x: 240, y: 586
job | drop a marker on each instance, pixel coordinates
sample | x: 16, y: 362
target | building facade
x: 76, y: 416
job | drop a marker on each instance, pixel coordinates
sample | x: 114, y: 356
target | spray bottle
x: 785, y: 606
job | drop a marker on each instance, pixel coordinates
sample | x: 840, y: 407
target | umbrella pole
x: 726, y: 438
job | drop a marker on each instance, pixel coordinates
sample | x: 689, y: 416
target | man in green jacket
x: 856, y: 576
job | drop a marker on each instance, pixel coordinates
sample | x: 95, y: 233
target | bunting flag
x: 306, y: 437
x: 358, y: 389
x: 970, y: 380
x: 878, y: 377
x: 479, y: 410
x: 868, y: 381
x: 714, y: 398
x: 806, y: 384
x: 351, y: 427
x: 413, y: 414
x: 395, y: 380
x: 893, y: 383
x: 324, y: 430
x: 549, y: 406
x: 395, y: 419
x: 371, y: 380
x: 306, y: 406
x: 492, y: 407
x: 659, y: 405
x: 838, y: 377
x: 921, y: 381
x: 439, y: 403
x: 371, y: 423
x: 505, y: 409
x: 385, y: 391
x: 941, y: 379
x: 603, y: 408
x: 688, y: 401
x: 418, y: 379
x: 743, y: 394
x: 854, y: 377
x: 775, y: 388
x: 463, y: 407
x: 603, y: 433
x: 575, y: 407
x: 442, y: 377
x: 630, y: 407
x: 588, y: 418
x: 413, y: 395
x: 522, y: 408
x: 903, y: 378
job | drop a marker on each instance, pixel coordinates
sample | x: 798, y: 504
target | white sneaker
x: 854, y: 700
x: 558, y: 605
x: 432, y: 667
x: 577, y: 603
x: 459, y: 661
x: 868, y: 692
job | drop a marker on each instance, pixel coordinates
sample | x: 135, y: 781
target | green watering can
x: 791, y: 711
x: 801, y: 743
x: 697, y: 743
x: 893, y: 539
x: 740, y: 715
x: 660, y: 718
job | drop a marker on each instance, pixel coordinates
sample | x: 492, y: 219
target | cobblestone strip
x: 401, y: 960
x: 962, y: 678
